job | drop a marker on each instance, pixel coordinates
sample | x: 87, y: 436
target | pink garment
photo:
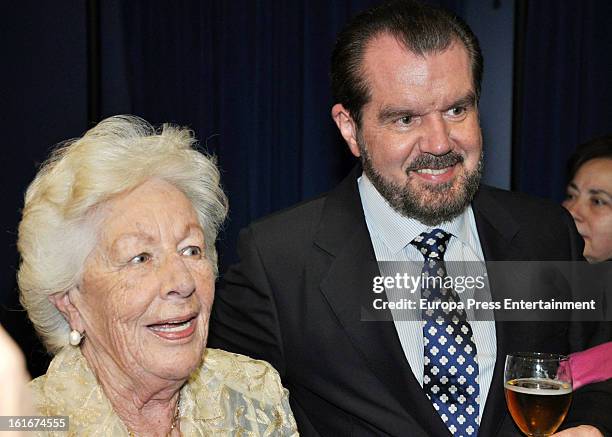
x: 591, y: 365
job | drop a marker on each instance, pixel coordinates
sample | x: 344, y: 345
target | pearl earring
x: 75, y: 337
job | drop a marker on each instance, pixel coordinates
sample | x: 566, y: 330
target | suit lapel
x: 496, y: 231
x: 351, y: 266
x: 347, y: 287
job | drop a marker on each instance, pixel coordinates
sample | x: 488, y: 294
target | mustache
x: 435, y: 162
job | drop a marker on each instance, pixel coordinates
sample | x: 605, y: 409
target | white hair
x: 58, y: 229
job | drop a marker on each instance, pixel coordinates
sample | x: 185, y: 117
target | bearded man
x: 406, y: 78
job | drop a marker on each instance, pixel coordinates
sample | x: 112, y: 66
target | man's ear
x: 347, y: 127
x: 63, y: 302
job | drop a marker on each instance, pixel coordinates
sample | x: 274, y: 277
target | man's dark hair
x: 421, y: 28
x: 596, y: 148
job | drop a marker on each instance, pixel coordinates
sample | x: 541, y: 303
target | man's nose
x: 435, y: 135
x: 177, y: 278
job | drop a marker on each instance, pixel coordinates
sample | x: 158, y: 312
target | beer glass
x: 538, y: 389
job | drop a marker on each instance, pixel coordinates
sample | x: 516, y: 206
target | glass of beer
x: 538, y: 390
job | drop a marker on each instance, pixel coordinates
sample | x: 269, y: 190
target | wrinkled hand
x: 579, y: 431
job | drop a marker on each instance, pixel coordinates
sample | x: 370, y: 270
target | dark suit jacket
x: 292, y: 301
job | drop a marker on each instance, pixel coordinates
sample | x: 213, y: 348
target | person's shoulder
x: 517, y: 204
x: 36, y: 389
x: 293, y: 228
x: 255, y: 379
x: 44, y: 387
x: 70, y: 388
x: 287, y: 232
x: 295, y: 216
x: 541, y: 228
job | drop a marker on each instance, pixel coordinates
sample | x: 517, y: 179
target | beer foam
x: 550, y: 387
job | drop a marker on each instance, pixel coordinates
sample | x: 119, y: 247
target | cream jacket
x: 229, y: 395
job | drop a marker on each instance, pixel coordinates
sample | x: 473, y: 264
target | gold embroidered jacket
x: 228, y: 395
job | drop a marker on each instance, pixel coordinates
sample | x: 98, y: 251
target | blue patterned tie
x: 450, y: 377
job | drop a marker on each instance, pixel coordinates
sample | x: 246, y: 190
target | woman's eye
x: 192, y: 251
x: 405, y: 120
x: 140, y: 258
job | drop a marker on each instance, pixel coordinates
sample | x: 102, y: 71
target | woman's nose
x: 178, y: 280
x: 574, y: 207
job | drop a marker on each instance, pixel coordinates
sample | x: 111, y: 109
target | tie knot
x: 432, y: 245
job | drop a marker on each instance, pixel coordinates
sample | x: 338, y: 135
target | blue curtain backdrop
x: 566, y: 92
x: 43, y: 96
x: 252, y: 80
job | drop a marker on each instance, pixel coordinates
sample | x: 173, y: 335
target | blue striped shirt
x: 391, y: 234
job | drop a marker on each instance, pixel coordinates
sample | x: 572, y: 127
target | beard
x: 431, y: 204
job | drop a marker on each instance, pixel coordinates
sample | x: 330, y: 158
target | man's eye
x: 598, y: 202
x: 140, y: 258
x: 191, y: 251
x: 457, y: 111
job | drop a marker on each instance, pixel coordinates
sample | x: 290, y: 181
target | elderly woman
x: 589, y: 197
x: 117, y: 242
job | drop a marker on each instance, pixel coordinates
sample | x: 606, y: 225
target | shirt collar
x: 397, y: 231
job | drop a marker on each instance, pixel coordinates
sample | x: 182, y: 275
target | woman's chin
x: 174, y: 366
x: 174, y: 357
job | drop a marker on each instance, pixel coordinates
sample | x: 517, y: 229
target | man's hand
x: 579, y: 431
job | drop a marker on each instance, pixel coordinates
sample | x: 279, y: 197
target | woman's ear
x: 64, y: 303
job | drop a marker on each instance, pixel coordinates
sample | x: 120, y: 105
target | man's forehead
x: 390, y: 69
x: 389, y: 48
